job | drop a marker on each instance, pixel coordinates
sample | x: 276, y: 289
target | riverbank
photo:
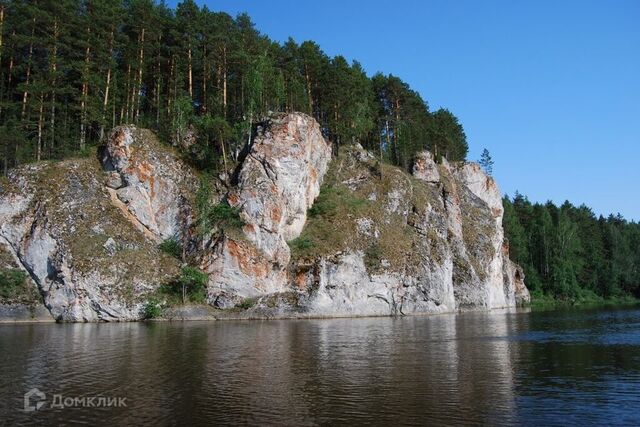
x: 21, y: 313
x: 13, y: 314
x: 540, y: 301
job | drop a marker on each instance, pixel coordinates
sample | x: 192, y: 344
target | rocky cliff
x: 322, y: 234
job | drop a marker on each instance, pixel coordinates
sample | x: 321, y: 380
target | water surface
x: 540, y: 368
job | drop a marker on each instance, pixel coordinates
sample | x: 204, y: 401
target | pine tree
x: 486, y: 162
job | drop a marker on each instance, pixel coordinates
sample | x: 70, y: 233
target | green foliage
x: 224, y: 216
x: 569, y: 254
x: 12, y: 283
x: 171, y: 247
x: 181, y: 118
x: 300, y: 244
x: 332, y: 197
x: 152, y: 309
x: 189, y: 69
x: 189, y: 286
x: 373, y: 257
x: 214, y: 216
x: 486, y: 162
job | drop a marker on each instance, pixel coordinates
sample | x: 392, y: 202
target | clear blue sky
x: 551, y: 88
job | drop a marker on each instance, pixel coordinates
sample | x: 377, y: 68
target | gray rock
x: 114, y: 180
x: 110, y: 246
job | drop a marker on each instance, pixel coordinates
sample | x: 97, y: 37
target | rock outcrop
x: 92, y: 255
x: 321, y: 236
x: 149, y: 181
x: 431, y: 242
x: 277, y: 183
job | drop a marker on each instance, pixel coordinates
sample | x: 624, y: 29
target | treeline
x: 567, y: 251
x: 72, y: 69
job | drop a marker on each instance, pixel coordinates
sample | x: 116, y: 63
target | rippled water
x: 540, y: 368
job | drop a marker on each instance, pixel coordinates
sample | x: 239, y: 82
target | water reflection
x: 486, y: 368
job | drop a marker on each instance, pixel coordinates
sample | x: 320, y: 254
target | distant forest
x: 72, y: 69
x: 569, y: 253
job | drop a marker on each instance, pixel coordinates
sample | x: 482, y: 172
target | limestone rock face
x: 425, y: 168
x: 277, y: 183
x: 429, y: 243
x: 149, y: 181
x: 378, y: 241
x: 87, y: 260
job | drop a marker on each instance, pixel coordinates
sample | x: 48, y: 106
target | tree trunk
x: 224, y: 82
x: 140, y: 67
x: 169, y: 83
x: 310, y: 98
x: 54, y: 68
x: 107, y: 87
x: 158, y: 84
x: 85, y: 93
x: 40, y: 124
x: 224, y: 154
x: 128, y: 91
x: 190, y: 72
x: 25, y: 94
x: 204, y: 80
x: 396, y: 132
x: 1, y: 32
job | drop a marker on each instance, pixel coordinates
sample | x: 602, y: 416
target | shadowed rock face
x: 394, y: 243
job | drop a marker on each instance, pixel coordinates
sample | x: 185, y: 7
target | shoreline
x: 24, y: 314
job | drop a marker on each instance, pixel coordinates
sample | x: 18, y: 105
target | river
x: 533, y: 368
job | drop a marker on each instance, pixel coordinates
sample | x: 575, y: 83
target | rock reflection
x: 480, y: 368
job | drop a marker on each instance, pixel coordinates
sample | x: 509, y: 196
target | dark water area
x: 531, y: 368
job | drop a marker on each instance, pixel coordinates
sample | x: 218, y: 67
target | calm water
x: 542, y: 368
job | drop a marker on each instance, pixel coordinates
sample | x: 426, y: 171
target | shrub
x: 218, y: 215
x: 152, y: 309
x: 171, y: 247
x: 372, y: 257
x: 12, y: 283
x: 191, y: 283
x: 222, y: 215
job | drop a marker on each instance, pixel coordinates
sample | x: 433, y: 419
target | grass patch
x: 15, y: 287
x: 300, y: 244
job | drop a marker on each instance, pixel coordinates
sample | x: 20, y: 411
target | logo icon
x: 34, y: 400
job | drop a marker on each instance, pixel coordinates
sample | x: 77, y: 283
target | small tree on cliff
x: 486, y: 162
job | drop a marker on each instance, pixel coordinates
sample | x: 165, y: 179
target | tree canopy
x: 72, y: 69
x: 566, y: 250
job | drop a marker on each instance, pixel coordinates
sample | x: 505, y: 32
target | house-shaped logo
x: 34, y: 400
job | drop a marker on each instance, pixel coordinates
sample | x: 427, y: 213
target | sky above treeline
x: 550, y: 88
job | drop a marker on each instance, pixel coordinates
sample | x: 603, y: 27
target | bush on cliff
x: 190, y: 285
x: 171, y: 247
x: 14, y: 286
